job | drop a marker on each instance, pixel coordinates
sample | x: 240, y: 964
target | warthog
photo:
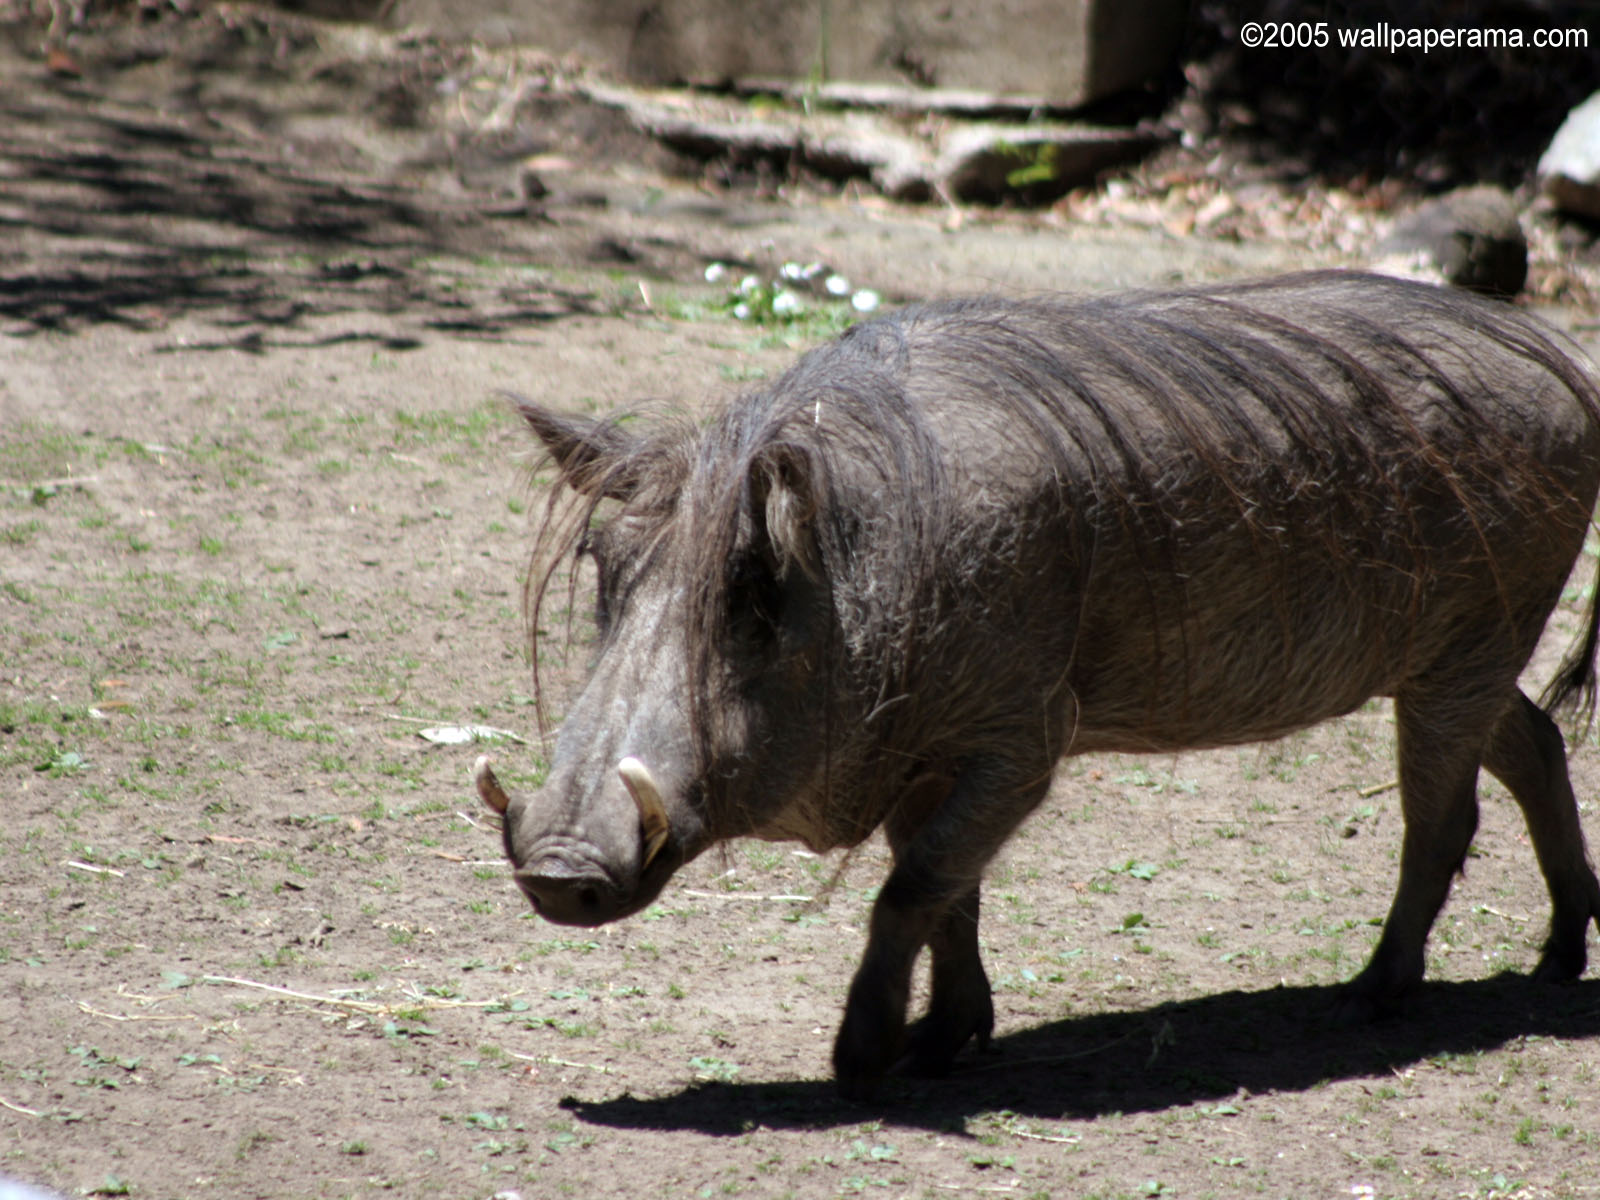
x: 899, y: 584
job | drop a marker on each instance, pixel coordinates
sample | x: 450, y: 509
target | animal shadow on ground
x: 1174, y: 1054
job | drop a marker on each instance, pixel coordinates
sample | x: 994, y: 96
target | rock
x: 897, y: 165
x: 974, y: 161
x: 1035, y: 163
x: 838, y: 147
x: 1569, y: 169
x: 1470, y: 238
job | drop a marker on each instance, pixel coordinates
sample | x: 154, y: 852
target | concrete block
x: 1062, y: 53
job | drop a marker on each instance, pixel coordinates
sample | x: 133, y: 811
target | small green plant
x: 1037, y: 164
x: 714, y: 1069
x: 1137, y: 869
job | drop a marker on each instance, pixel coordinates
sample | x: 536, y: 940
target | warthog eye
x: 755, y: 599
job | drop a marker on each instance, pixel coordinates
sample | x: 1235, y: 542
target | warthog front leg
x: 961, y: 1006
x: 874, y: 1024
x: 942, y: 840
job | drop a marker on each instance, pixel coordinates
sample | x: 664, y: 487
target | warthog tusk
x: 488, y: 786
x: 646, y: 795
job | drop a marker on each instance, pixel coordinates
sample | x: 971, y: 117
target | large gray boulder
x: 1569, y: 170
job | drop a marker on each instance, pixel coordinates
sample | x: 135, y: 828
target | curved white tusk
x: 488, y: 786
x: 646, y: 795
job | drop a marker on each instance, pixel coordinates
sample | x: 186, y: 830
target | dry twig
x: 362, y: 1006
x: 550, y: 1060
x: 90, y: 867
x: 111, y: 1016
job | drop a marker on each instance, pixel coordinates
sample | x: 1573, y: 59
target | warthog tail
x: 1574, y: 687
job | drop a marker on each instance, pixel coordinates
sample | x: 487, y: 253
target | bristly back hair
x: 1106, y: 390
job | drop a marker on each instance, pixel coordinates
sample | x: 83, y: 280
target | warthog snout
x: 567, y: 888
x: 572, y: 879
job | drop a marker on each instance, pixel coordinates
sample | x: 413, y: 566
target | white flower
x: 748, y: 284
x: 866, y: 300
x: 785, y: 303
x: 715, y: 272
x: 837, y: 285
x: 741, y: 312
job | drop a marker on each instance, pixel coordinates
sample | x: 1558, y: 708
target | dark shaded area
x: 1144, y: 1061
x: 1439, y: 119
x: 192, y: 165
x: 164, y: 160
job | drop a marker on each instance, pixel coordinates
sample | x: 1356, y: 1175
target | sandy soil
x: 263, y: 519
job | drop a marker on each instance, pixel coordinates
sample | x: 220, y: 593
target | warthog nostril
x: 569, y: 895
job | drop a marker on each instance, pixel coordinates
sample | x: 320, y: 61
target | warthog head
x: 709, y: 634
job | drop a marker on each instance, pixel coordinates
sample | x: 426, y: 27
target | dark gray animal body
x: 963, y: 541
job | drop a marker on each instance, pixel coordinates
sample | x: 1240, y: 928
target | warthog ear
x: 594, y: 457
x: 783, y: 505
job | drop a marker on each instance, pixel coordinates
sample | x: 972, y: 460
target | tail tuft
x: 1574, y: 687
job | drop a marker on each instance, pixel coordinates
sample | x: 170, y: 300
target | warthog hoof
x: 950, y: 1023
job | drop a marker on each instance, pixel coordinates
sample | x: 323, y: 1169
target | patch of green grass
x: 711, y: 1068
x: 233, y: 458
x: 442, y: 427
x: 281, y: 724
x: 60, y: 720
x: 251, y: 1142
x: 32, y: 450
x: 20, y: 534
x: 165, y: 591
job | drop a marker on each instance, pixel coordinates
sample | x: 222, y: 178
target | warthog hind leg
x: 1440, y: 740
x: 1525, y: 752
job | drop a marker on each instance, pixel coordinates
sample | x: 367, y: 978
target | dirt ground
x: 263, y: 519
